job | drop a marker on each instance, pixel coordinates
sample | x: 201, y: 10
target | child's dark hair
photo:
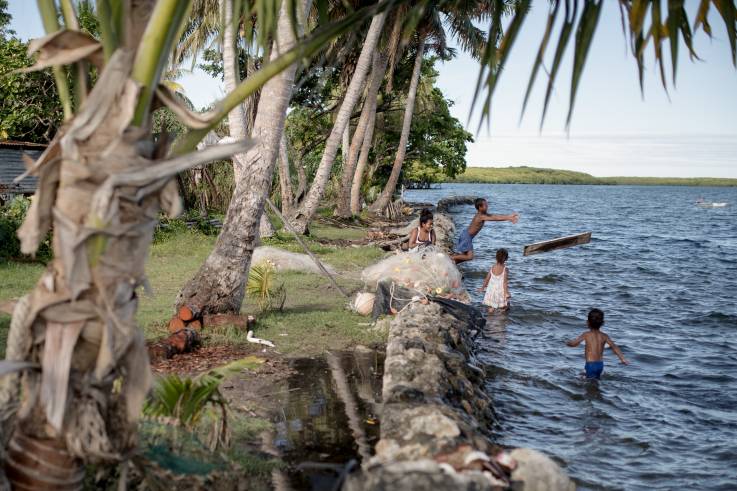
x: 478, y: 202
x: 502, y: 255
x: 425, y: 216
x: 596, y: 318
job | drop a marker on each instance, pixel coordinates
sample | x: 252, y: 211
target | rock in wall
x: 436, y: 419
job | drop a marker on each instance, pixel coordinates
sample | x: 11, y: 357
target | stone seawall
x: 436, y: 420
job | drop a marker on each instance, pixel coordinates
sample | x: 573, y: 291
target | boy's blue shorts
x: 465, y: 242
x: 594, y: 369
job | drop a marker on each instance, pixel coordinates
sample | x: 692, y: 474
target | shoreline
x: 427, y: 416
x: 544, y: 176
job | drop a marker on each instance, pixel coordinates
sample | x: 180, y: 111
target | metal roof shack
x: 11, y: 166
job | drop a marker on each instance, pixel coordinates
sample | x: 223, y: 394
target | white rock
x: 287, y: 261
x: 538, y: 472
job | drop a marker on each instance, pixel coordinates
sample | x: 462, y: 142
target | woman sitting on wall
x: 423, y: 235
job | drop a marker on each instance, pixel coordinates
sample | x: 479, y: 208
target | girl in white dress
x: 496, y: 284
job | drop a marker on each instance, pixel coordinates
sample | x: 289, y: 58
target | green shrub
x: 12, y: 215
x: 191, y: 219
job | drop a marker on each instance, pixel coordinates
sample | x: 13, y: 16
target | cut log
x: 182, y: 341
x: 185, y: 313
x: 176, y: 324
x: 559, y: 243
x: 195, y: 324
x: 215, y: 320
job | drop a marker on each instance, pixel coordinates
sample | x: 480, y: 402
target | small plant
x: 12, y: 215
x: 260, y: 287
x: 191, y: 401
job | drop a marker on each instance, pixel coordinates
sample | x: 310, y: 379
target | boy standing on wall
x: 464, y: 246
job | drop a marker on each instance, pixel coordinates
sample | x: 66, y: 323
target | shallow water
x: 327, y: 410
x: 664, y: 272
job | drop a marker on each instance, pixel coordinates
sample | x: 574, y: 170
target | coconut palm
x: 102, y: 181
x: 302, y: 216
x: 364, y: 131
x: 219, y: 285
x: 431, y: 31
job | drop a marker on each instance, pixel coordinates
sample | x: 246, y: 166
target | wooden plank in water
x: 559, y: 243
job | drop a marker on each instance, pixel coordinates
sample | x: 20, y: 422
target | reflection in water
x: 495, y: 330
x: 329, y: 415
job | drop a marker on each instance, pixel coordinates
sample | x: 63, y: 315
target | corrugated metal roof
x: 11, y: 166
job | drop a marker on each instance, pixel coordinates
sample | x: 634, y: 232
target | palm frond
x: 635, y: 15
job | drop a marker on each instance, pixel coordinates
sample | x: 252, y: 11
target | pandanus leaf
x: 728, y: 12
x: 522, y: 8
x: 540, y: 53
x: 489, y: 56
x: 701, y: 17
x: 563, y: 38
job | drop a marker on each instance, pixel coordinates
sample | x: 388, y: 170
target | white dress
x: 494, y: 296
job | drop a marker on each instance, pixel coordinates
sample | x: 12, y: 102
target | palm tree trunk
x: 219, y: 285
x: 265, y: 227
x: 285, y: 178
x: 386, y: 195
x: 343, y: 208
x: 301, y: 182
x: 101, y: 191
x: 307, y: 209
x: 345, y: 142
x: 231, y: 74
x: 362, y: 161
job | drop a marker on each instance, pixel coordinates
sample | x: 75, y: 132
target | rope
x: 309, y: 252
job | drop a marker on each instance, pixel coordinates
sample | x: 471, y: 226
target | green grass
x: 313, y: 320
x: 534, y: 175
x: 314, y: 317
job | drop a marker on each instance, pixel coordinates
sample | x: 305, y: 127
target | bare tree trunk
x: 362, y: 162
x: 386, y: 195
x: 285, y: 178
x: 345, y: 142
x: 301, y: 182
x: 343, y: 208
x: 250, y: 105
x: 231, y: 76
x: 309, y: 206
x: 265, y: 227
x: 219, y: 285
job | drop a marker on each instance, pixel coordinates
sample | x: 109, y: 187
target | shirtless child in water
x: 464, y: 247
x: 595, y: 341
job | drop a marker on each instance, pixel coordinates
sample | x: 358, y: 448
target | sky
x: 616, y: 129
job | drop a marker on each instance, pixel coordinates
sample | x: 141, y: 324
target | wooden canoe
x: 559, y: 243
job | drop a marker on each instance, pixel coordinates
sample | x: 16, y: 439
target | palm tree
x: 219, y: 285
x: 432, y: 27
x: 102, y: 182
x: 383, y: 200
x: 364, y: 128
x: 301, y: 217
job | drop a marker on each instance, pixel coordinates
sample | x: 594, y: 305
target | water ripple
x: 665, y: 273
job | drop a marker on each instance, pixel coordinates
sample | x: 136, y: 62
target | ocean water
x: 665, y: 273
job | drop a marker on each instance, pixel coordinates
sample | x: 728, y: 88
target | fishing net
x: 428, y: 272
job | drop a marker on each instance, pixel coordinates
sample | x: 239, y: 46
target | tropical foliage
x: 30, y: 109
x: 105, y: 177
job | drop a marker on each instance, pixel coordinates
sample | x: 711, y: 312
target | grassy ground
x: 314, y: 316
x: 534, y: 175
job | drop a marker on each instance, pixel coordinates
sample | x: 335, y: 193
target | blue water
x: 665, y: 273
